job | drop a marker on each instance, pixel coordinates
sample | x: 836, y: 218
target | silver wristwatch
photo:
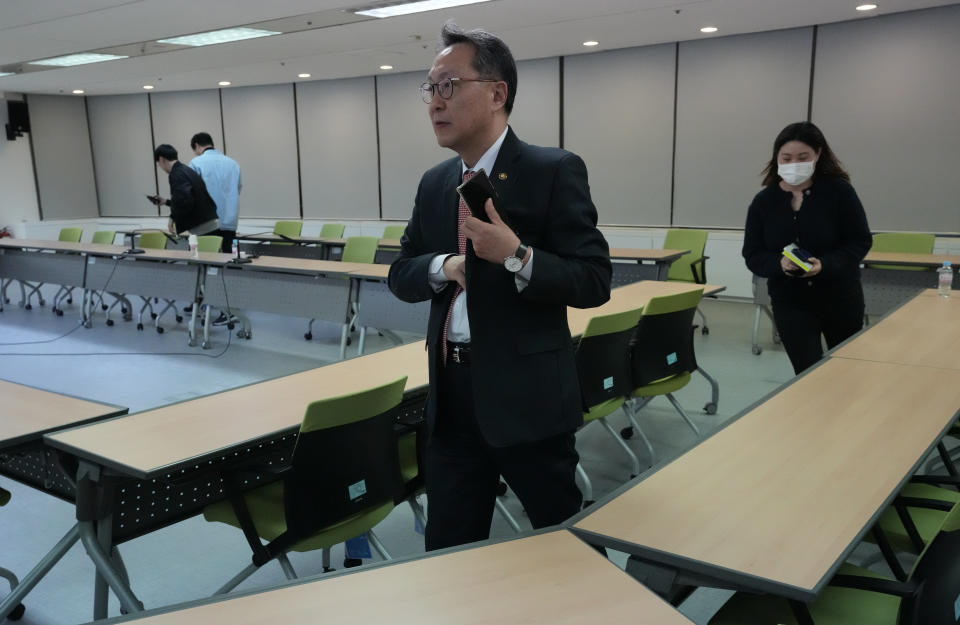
x: 514, y: 263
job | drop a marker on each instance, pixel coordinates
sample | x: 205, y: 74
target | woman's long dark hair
x: 805, y: 132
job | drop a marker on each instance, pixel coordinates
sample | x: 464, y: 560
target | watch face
x: 513, y: 264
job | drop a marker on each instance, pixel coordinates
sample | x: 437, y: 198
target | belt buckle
x: 456, y: 354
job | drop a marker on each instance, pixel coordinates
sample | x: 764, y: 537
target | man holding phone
x: 504, y: 397
x: 191, y: 207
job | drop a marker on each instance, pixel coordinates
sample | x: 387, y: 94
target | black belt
x: 458, y: 353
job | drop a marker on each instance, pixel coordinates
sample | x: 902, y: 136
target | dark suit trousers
x: 462, y: 471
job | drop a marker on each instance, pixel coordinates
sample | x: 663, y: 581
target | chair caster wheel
x: 501, y: 489
x: 159, y: 330
x: 632, y: 476
x: 29, y: 306
x: 43, y: 302
x: 349, y: 340
x: 153, y: 315
x: 59, y: 313
x: 204, y: 345
x: 17, y: 613
x: 231, y: 326
x: 757, y: 350
x: 104, y: 307
x: 140, y: 326
x: 705, y: 330
x: 329, y: 569
x: 308, y: 336
x: 710, y: 408
x: 587, y: 503
x: 124, y: 311
x: 109, y: 322
x: 69, y: 300
x: 179, y: 318
x: 626, y: 433
x: 349, y: 563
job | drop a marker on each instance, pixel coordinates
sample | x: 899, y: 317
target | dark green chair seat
x: 834, y: 606
x: 264, y: 504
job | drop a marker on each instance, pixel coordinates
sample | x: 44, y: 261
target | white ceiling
x: 36, y: 29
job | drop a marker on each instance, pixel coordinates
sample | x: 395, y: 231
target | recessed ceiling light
x: 78, y: 91
x: 866, y: 7
x: 303, y: 75
x: 148, y: 87
x: 386, y: 67
x: 591, y: 43
x: 214, y: 37
x: 2, y: 74
x: 224, y: 83
x: 412, y: 7
x: 708, y: 29
x: 78, y: 59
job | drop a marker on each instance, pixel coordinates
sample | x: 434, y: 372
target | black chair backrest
x: 603, y: 366
x: 342, y: 470
x: 663, y: 346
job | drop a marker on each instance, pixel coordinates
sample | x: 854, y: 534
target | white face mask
x: 796, y: 173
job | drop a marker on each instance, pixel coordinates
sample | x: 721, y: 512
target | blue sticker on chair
x: 358, y: 547
x: 671, y: 358
x: 608, y: 383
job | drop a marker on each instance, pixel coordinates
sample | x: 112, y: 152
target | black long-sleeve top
x: 830, y: 224
x: 190, y: 204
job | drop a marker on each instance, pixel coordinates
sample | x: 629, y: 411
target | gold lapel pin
x: 502, y: 176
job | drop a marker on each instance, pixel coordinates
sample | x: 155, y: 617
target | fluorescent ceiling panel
x: 78, y: 59
x: 219, y: 36
x: 413, y: 7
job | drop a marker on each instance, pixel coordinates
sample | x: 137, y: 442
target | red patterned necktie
x: 463, y: 213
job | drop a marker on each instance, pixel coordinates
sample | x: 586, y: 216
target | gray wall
x: 673, y: 134
x: 61, y: 149
x: 123, y: 155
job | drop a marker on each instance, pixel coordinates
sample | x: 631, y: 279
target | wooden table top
x: 899, y: 258
x: 635, y: 295
x: 623, y: 253
x: 544, y: 579
x: 98, y: 249
x: 304, y: 265
x: 148, y: 443
x: 272, y: 238
x: 778, y: 498
x: 28, y: 413
x: 925, y: 331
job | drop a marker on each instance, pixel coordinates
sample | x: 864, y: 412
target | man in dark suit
x: 504, y: 397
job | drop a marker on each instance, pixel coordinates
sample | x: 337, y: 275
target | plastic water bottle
x: 192, y: 242
x: 945, y: 279
x: 236, y: 248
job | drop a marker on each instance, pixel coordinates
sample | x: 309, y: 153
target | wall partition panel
x: 734, y: 95
x: 260, y: 134
x: 61, y: 151
x: 887, y: 96
x: 338, y: 148
x: 178, y: 115
x: 536, y: 109
x: 618, y: 116
x: 123, y: 155
x: 408, y: 146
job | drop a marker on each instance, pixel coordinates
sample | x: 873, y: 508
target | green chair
x: 604, y: 372
x: 902, y: 242
x: 857, y: 596
x: 17, y: 612
x: 344, y: 478
x: 662, y: 357
x: 209, y: 243
x: 692, y: 266
x: 67, y: 235
x: 394, y: 232
x: 155, y: 241
x: 104, y: 237
x: 332, y: 231
x: 290, y: 229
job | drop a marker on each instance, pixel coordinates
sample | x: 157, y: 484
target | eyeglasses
x: 444, y: 88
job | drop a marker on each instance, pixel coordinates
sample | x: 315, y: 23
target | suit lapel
x: 506, y: 170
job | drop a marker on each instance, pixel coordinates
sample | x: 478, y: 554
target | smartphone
x: 475, y: 193
x: 153, y: 198
x: 802, y: 254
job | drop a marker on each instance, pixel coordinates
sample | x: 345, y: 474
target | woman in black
x: 807, y: 202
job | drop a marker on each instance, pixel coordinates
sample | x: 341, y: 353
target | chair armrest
x: 699, y: 277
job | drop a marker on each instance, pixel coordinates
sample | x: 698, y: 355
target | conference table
x: 777, y: 499
x: 549, y: 578
x: 174, y: 457
x: 642, y: 264
x: 320, y: 248
x: 26, y: 415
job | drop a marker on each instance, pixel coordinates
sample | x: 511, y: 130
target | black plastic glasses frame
x: 444, y: 88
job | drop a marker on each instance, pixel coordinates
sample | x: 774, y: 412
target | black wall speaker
x: 18, y: 119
